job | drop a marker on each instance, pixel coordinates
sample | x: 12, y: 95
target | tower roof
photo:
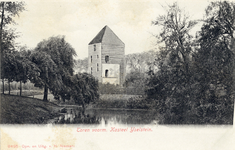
x: 106, y: 36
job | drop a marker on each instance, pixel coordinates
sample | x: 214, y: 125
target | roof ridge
x: 98, y: 38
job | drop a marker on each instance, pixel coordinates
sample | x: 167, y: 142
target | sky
x: 81, y: 20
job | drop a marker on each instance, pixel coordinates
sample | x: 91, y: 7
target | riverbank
x: 121, y: 101
x: 26, y: 110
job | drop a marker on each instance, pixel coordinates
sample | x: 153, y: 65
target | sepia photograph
x: 117, y: 74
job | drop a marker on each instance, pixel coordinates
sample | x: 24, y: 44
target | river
x: 107, y: 116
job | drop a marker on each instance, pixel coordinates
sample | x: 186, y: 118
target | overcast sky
x: 81, y: 20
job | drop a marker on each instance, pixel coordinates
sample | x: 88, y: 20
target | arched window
x: 91, y: 58
x: 97, y: 67
x: 106, y: 73
x: 94, y: 47
x: 107, y: 59
x: 91, y: 70
x: 97, y: 56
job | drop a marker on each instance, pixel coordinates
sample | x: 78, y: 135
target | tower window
x: 97, y: 56
x: 97, y: 67
x: 106, y: 73
x: 91, y: 58
x: 91, y: 70
x: 107, y: 59
x: 94, y: 47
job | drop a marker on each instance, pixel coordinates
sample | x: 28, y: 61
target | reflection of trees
x: 108, y: 117
x: 125, y: 116
x: 74, y: 116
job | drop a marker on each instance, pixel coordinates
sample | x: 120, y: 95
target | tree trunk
x: 233, y: 66
x: 2, y: 86
x: 233, y: 73
x: 20, y: 88
x: 45, y: 93
x: 83, y: 108
x: 9, y: 85
x: 1, y: 50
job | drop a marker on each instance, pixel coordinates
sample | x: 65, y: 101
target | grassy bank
x: 121, y: 101
x: 25, y: 110
x: 25, y: 92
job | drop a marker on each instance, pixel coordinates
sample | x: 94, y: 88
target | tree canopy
x: 7, y: 35
x: 54, y: 57
x: 194, y: 81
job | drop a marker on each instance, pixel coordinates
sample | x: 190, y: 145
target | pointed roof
x: 106, y: 36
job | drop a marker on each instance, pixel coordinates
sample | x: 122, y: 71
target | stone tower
x: 106, y: 57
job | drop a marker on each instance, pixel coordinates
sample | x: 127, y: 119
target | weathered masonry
x: 106, y: 57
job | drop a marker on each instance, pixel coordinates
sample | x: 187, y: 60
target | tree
x: 48, y: 72
x: 84, y: 89
x: 215, y: 60
x: 55, y: 60
x: 199, y: 89
x: 175, y: 37
x: 171, y: 85
x: 25, y: 69
x: 81, y: 65
x: 135, y: 82
x: 8, y: 11
x: 220, y: 23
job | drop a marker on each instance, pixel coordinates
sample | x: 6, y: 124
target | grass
x: 26, y: 110
x: 25, y: 92
x: 114, y: 97
x: 121, y: 101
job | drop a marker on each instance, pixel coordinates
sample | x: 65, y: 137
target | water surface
x: 110, y: 116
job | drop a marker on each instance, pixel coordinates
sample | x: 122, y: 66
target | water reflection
x: 123, y: 116
x: 106, y: 117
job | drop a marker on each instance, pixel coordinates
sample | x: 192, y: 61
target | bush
x: 110, y: 89
x: 116, y: 89
x: 135, y: 102
x: 138, y: 103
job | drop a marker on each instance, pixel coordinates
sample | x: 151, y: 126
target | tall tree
x: 215, y: 61
x: 8, y: 11
x: 48, y: 72
x: 25, y: 69
x: 58, y: 67
x: 220, y: 23
x: 170, y: 86
x: 198, y: 89
x: 175, y: 38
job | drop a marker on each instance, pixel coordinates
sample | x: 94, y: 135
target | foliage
x: 135, y: 82
x: 84, y: 89
x: 81, y: 65
x: 193, y: 83
x: 10, y: 10
x: 130, y: 89
x: 138, y: 103
x: 110, y: 89
x: 7, y: 36
x: 54, y: 57
x: 139, y: 62
x: 171, y: 85
x: 214, y: 60
x: 123, y: 102
x: 48, y: 72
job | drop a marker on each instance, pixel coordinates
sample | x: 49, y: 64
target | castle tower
x: 106, y: 57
